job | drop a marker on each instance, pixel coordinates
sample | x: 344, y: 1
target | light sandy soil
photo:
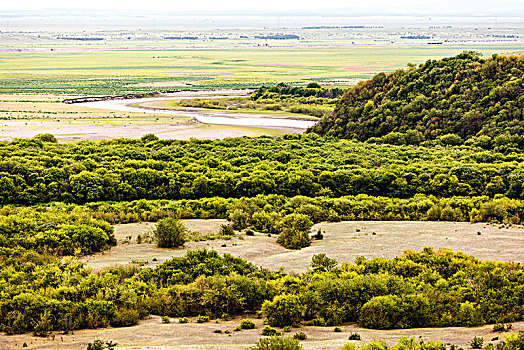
x: 74, y: 122
x: 152, y: 334
x: 341, y: 242
x: 101, y: 129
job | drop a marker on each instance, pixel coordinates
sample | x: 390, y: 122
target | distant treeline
x: 79, y: 38
x: 339, y: 27
x: 181, y: 37
x: 415, y: 37
x: 283, y: 91
x: 277, y: 36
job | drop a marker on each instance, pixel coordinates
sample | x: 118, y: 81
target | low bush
x: 354, y: 336
x: 268, y: 331
x: 277, y: 343
x: 202, y: 319
x: 227, y: 230
x: 125, y: 318
x: 476, y: 342
x: 300, y: 336
x: 247, y: 324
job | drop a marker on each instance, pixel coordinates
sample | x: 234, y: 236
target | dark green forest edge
x: 59, y: 201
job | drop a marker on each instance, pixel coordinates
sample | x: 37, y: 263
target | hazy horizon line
x: 250, y: 13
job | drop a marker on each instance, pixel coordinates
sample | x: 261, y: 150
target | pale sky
x: 434, y: 7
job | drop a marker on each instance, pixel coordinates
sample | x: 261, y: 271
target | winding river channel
x: 221, y: 117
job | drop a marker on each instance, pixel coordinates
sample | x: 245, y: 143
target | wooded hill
x: 454, y: 100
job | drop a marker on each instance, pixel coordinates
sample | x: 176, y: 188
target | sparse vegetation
x: 277, y: 343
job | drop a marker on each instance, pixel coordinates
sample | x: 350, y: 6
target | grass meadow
x: 142, y: 70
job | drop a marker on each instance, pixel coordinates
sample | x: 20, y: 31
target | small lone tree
x: 170, y: 233
x: 294, y: 231
x: 321, y: 263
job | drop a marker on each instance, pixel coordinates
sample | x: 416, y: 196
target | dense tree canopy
x: 452, y: 100
x: 33, y: 171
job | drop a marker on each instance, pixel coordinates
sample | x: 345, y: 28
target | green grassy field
x: 128, y: 71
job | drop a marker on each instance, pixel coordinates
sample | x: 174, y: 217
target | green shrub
x: 217, y: 331
x: 46, y: 138
x: 300, y: 336
x: 293, y: 231
x: 277, y: 343
x: 239, y: 218
x: 166, y: 319
x: 247, y: 324
x: 349, y: 346
x: 381, y: 345
x: 43, y: 325
x: 202, y: 319
x: 354, y: 336
x: 382, y: 312
x: 321, y: 263
x: 227, y: 230
x: 170, y: 233
x: 183, y: 320
x: 125, y: 318
x: 101, y: 345
x: 476, y: 342
x: 268, y: 331
x: 337, y: 329
x: 319, y: 322
x: 283, y: 310
x: 262, y: 221
x: 149, y: 138
x: 499, y: 327
x: 287, y: 329
x: 250, y: 232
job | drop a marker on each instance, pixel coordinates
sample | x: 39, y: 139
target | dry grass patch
x: 343, y: 241
x: 152, y: 333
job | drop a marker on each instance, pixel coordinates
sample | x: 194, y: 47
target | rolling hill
x: 454, y: 100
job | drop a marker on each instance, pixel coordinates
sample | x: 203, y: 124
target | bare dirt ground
x: 152, y: 334
x: 341, y: 241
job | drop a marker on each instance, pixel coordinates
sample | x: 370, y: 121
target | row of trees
x: 33, y: 171
x: 263, y: 213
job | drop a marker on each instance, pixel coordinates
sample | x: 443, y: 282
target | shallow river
x: 211, y: 117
